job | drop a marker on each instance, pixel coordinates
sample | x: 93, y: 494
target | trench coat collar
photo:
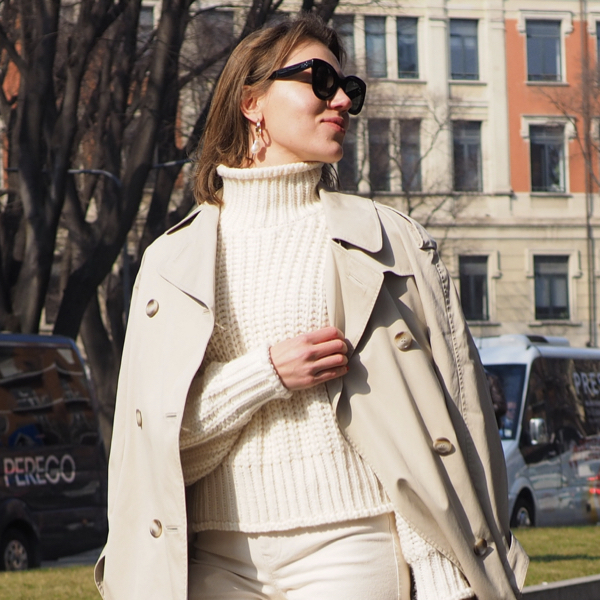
x: 352, y: 220
x: 190, y: 263
x: 353, y: 278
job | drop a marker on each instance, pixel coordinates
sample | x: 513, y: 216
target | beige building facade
x: 475, y: 124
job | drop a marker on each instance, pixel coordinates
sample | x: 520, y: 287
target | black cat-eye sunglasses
x: 326, y: 81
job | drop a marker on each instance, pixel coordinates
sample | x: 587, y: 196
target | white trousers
x: 355, y: 560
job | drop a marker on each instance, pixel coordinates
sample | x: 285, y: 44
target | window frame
x: 566, y: 28
x: 493, y: 274
x: 546, y: 186
x: 404, y: 146
x: 370, y: 144
x: 553, y: 284
x: 544, y: 77
x: 482, y: 259
x: 408, y: 75
x: 347, y: 21
x: 370, y: 71
x: 567, y: 122
x: 145, y: 30
x: 463, y: 76
x: 574, y: 273
x: 455, y: 187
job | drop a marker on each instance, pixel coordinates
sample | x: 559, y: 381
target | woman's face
x: 297, y: 126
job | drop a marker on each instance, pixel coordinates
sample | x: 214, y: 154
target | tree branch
x: 7, y: 45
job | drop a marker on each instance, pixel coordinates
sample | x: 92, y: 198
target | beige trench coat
x: 414, y: 402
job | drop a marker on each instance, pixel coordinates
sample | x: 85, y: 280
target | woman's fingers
x: 311, y: 358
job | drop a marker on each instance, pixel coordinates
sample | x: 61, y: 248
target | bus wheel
x: 15, y: 551
x: 522, y: 514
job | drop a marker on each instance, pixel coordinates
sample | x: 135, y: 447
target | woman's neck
x: 268, y: 196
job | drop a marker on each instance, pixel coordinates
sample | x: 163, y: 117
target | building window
x: 375, y: 46
x: 410, y: 155
x: 473, y: 287
x: 408, y: 64
x: 344, y: 25
x: 379, y: 154
x: 551, y: 287
x: 464, y: 62
x: 547, y: 158
x: 348, y: 166
x: 543, y: 51
x: 467, y: 156
x: 145, y: 25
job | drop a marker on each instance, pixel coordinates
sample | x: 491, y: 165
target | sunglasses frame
x: 339, y: 82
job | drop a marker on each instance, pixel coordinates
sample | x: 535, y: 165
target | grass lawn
x: 556, y: 553
x: 67, y: 583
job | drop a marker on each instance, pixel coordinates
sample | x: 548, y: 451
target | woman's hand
x: 310, y: 358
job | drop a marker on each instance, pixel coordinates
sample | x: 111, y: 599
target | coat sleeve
x: 459, y: 369
x: 456, y: 361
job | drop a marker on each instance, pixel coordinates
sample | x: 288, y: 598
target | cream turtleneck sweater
x: 259, y: 458
x: 288, y: 464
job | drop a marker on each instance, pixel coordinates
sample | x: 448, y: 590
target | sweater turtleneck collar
x: 268, y: 196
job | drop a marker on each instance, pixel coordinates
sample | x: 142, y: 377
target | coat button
x: 403, y: 340
x: 138, y: 417
x: 443, y: 446
x: 152, y: 308
x: 155, y: 528
x: 480, y: 547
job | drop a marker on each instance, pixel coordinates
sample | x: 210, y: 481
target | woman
x: 300, y: 401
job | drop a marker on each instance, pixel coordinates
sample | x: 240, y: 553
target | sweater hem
x: 288, y: 525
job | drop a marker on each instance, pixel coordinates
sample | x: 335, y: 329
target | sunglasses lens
x: 325, y: 83
x: 324, y: 80
x: 356, y: 92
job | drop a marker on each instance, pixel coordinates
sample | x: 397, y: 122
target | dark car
x: 53, y: 466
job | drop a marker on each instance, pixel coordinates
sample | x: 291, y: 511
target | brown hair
x: 226, y: 135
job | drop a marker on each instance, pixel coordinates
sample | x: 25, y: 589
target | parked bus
x: 52, y: 459
x: 551, y: 428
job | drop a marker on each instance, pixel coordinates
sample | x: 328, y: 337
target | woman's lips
x: 338, y: 122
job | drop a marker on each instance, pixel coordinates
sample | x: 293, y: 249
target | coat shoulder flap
x: 419, y: 234
x: 185, y: 221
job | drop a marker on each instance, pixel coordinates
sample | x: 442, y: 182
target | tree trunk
x: 104, y: 363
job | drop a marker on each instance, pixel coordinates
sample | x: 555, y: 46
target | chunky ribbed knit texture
x: 290, y: 465
x: 436, y: 578
x: 260, y: 458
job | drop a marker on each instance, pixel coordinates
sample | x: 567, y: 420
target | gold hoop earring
x: 256, y: 144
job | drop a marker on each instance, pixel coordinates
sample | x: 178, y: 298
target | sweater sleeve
x: 436, y: 577
x: 222, y: 398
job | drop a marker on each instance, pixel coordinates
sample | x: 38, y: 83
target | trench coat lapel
x: 191, y: 265
x: 353, y: 278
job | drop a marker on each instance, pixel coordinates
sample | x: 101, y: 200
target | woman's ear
x: 251, y: 105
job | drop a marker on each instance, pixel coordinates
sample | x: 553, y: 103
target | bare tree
x: 410, y: 155
x: 91, y: 101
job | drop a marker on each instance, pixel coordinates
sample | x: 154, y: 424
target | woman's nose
x: 341, y: 101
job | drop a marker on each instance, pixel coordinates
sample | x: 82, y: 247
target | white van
x: 551, y: 430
